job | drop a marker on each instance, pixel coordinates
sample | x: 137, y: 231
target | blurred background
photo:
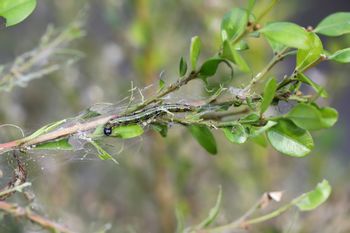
x: 135, y: 43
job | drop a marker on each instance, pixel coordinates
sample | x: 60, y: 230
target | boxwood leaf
x: 230, y: 53
x: 204, y: 137
x: 233, y: 24
x: 269, y: 94
x: 319, y: 89
x: 307, y: 57
x: 286, y: 33
x: 336, y: 24
x: 311, y: 200
x: 341, y: 56
x: 127, y: 131
x: 311, y: 117
x: 61, y: 144
x: 289, y: 139
x: 236, y: 134
x: 194, y: 51
x: 15, y: 11
x: 182, y: 67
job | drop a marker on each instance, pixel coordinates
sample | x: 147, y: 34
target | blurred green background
x: 138, y: 41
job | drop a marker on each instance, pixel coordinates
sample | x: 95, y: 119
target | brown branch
x: 20, y: 212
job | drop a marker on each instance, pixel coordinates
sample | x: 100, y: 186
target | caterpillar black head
x: 107, y: 130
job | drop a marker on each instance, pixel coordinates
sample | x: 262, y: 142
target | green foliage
x: 127, y: 131
x: 233, y: 24
x: 102, y: 153
x: 288, y: 34
x: 269, y: 94
x: 15, y: 11
x: 319, y: 89
x: 289, y: 139
x: 182, y: 67
x: 341, y: 56
x: 311, y: 117
x: 204, y: 137
x: 194, y: 51
x: 334, y: 25
x: 314, y: 198
x: 236, y: 134
x: 61, y: 144
x: 307, y: 57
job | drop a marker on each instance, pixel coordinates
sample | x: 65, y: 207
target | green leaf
x: 204, y: 137
x: 307, y: 57
x: 329, y: 116
x: 210, y: 66
x: 161, y: 84
x: 341, y: 56
x: 269, y: 94
x: 233, y: 24
x: 310, y: 117
x: 194, y: 51
x: 311, y: 200
x: 256, y: 131
x: 182, y: 67
x: 276, y: 46
x: 232, y: 55
x: 15, y: 11
x: 319, y: 89
x: 251, y: 118
x: 289, y: 139
x: 46, y: 129
x: 127, y: 131
x: 161, y: 128
x: 260, y: 140
x: 102, y: 154
x: 236, y: 134
x: 336, y: 24
x: 61, y: 144
x: 213, y: 213
x: 286, y: 33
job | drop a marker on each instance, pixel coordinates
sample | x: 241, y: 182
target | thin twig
x: 20, y: 212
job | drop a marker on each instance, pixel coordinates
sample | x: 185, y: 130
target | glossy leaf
x: 260, y: 140
x: 319, y: 89
x: 329, y: 116
x: 204, y: 137
x: 336, y: 24
x: 289, y: 139
x: 311, y: 200
x: 15, y: 11
x: 286, y: 33
x: 310, y: 117
x: 236, y: 134
x: 61, y: 144
x: 182, y: 67
x: 232, y: 55
x: 161, y: 84
x: 161, y: 128
x: 276, y: 46
x: 127, y: 131
x: 341, y: 56
x: 102, y: 154
x: 194, y: 51
x: 211, y: 65
x: 233, y: 24
x: 307, y: 57
x: 269, y: 94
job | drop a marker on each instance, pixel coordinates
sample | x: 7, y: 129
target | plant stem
x: 25, y: 213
